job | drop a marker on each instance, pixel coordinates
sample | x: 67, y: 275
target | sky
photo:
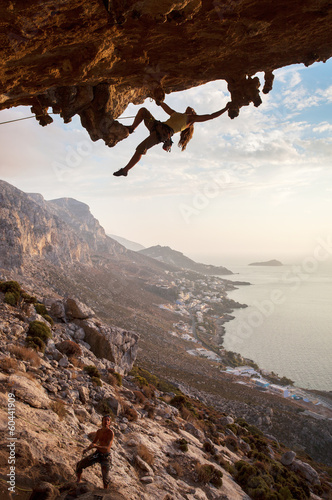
x: 257, y: 187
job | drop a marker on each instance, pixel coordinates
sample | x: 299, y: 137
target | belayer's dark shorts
x: 105, y: 461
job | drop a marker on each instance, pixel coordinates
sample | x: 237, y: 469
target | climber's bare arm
x: 166, y: 108
x: 205, y: 118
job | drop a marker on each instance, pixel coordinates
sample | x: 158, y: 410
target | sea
x: 287, y: 326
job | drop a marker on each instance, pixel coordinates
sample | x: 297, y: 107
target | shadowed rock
x: 94, y: 58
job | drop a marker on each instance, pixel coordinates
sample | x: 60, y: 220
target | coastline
x: 318, y: 389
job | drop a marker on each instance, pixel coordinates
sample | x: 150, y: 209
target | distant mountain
x: 175, y: 258
x: 63, y: 232
x: 130, y: 245
x: 272, y: 262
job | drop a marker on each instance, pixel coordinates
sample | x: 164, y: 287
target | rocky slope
x: 93, y: 58
x: 124, y: 289
x: 162, y: 448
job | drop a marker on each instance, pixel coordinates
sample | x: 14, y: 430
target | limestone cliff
x: 94, y: 58
x: 28, y: 230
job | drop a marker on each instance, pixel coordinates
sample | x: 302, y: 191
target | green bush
x: 48, y: 319
x: 10, y: 286
x: 92, y: 370
x: 35, y: 343
x: 180, y: 401
x: 40, y: 330
x: 141, y: 381
x: 104, y: 408
x: 208, y: 447
x: 183, y: 444
x: 270, y: 481
x: 97, y: 381
x: 207, y: 473
x: 11, y: 298
x: 40, y: 309
x: 29, y: 299
x: 231, y: 443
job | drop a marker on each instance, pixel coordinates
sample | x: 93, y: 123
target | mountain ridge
x: 174, y: 257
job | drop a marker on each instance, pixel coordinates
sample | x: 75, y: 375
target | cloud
x: 323, y: 127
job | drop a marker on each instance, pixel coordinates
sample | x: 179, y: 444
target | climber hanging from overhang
x: 162, y: 132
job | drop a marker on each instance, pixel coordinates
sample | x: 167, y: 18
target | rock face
x: 94, y: 58
x: 28, y: 229
x: 60, y: 231
x: 115, y: 344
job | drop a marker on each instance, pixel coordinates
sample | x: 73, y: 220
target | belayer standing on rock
x: 163, y: 131
x: 102, y: 442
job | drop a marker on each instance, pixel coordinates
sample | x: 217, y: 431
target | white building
x: 282, y: 391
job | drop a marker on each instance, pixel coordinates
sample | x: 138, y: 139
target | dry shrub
x: 140, y: 397
x: 111, y: 380
x: 69, y: 348
x: 77, y: 363
x: 146, y: 455
x: 29, y: 376
x: 177, y: 467
x: 7, y: 364
x: 150, y: 409
x: 59, y: 408
x: 114, y: 379
x: 186, y: 414
x: 130, y: 413
x: 25, y: 354
x: 148, y: 392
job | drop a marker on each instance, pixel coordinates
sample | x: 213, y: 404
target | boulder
x: 57, y: 309
x: 82, y: 413
x: 227, y: 420
x: 288, y: 458
x: 17, y: 330
x: 112, y: 343
x: 84, y: 394
x: 77, y: 310
x: 147, y: 479
x: 115, y: 405
x: 29, y: 391
x: 189, y: 427
x: 63, y: 362
x: 306, y: 471
x: 143, y: 465
x: 45, y: 491
x: 79, y: 334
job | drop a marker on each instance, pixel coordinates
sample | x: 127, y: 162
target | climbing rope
x: 37, y: 116
x: 16, y: 487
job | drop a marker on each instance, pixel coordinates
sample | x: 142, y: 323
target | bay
x: 287, y: 326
